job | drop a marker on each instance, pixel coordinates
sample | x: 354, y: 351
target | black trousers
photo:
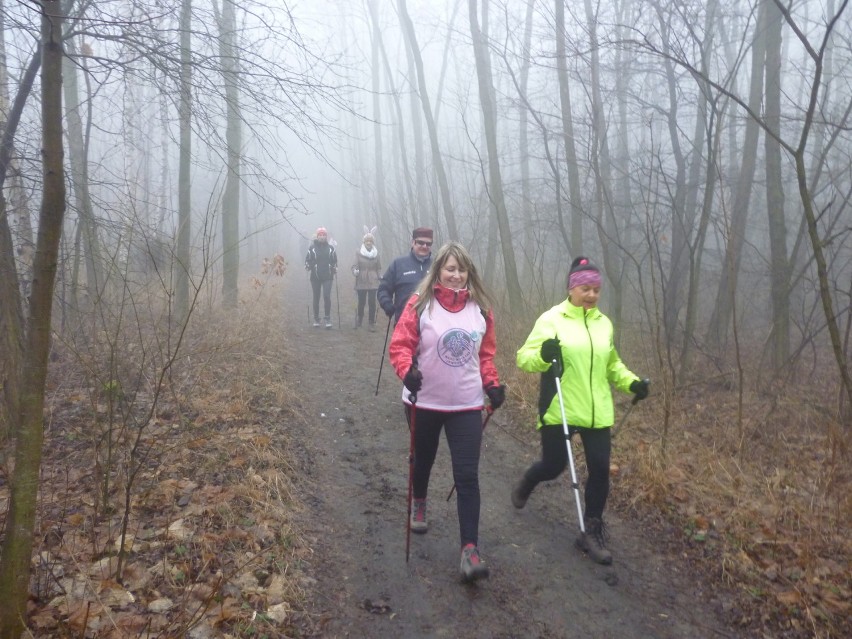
x: 597, y: 445
x: 464, y: 437
x: 367, y: 296
x: 323, y: 286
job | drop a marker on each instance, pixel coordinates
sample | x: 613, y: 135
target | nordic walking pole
x: 310, y: 293
x: 489, y: 411
x: 617, y: 428
x: 412, y: 420
x: 384, y: 348
x: 337, y: 292
x: 556, y: 367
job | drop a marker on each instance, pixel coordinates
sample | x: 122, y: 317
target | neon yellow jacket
x: 591, y: 364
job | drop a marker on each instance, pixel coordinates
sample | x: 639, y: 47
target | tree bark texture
x: 571, y: 165
x: 233, y: 138
x: 20, y: 521
x: 11, y: 308
x: 778, y: 256
x: 495, y: 187
x: 79, y: 165
x: 527, y: 266
x: 437, y: 158
x: 182, y: 266
x: 724, y: 305
x: 381, y: 191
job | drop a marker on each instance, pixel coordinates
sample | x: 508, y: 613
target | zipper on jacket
x: 591, y: 365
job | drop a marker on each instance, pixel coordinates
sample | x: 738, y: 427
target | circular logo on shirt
x: 455, y: 348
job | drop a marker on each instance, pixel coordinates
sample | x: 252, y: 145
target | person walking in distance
x: 405, y: 272
x: 321, y: 263
x: 443, y: 349
x: 367, y: 269
x: 580, y: 339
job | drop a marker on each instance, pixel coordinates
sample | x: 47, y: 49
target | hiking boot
x: 521, y: 492
x: 472, y: 566
x: 419, y: 524
x: 328, y: 322
x: 593, y: 541
x: 316, y: 323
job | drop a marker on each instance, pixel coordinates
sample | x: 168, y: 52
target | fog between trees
x: 699, y: 152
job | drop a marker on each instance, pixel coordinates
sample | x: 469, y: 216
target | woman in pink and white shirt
x: 443, y: 349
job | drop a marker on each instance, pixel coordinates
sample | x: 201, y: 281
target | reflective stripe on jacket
x: 591, y: 364
x: 401, y: 280
x: 321, y: 260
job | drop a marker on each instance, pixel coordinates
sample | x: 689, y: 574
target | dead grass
x: 210, y: 538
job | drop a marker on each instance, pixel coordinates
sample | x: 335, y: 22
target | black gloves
x: 550, y: 350
x: 388, y: 310
x: 496, y: 395
x: 413, y: 380
x: 640, y: 388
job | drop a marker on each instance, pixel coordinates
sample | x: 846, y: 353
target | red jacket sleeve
x: 487, y: 351
x: 406, y: 339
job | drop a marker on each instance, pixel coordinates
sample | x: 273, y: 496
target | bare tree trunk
x: 11, y: 326
x: 381, y: 196
x: 164, y: 202
x: 233, y: 136
x: 407, y: 180
x: 568, y: 133
x: 437, y: 158
x: 78, y: 147
x: 714, y: 141
x: 723, y: 308
x: 700, y: 140
x: 445, y: 61
x: 415, y: 106
x: 552, y: 161
x: 779, y: 263
x: 495, y: 188
x: 11, y: 310
x: 680, y: 225
x: 624, y: 66
x: 20, y: 522
x: 608, y: 232
x: 817, y: 242
x: 704, y: 136
x: 182, y: 267
x: 527, y: 266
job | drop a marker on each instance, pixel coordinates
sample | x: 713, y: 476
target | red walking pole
x: 412, y: 419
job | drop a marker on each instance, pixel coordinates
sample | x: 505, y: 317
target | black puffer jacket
x: 321, y: 261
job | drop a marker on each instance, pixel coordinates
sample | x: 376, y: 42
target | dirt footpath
x: 354, y: 483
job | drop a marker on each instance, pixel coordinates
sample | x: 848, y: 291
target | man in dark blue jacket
x: 405, y: 272
x: 321, y: 263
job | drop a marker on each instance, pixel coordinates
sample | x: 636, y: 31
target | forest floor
x: 268, y: 499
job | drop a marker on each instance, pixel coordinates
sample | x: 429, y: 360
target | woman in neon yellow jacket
x: 580, y: 338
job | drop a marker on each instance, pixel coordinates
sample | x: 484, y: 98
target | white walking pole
x: 557, y: 374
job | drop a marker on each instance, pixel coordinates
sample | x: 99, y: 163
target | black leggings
x: 464, y: 436
x: 597, y: 444
x: 324, y: 287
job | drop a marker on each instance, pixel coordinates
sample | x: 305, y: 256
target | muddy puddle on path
x: 354, y: 486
